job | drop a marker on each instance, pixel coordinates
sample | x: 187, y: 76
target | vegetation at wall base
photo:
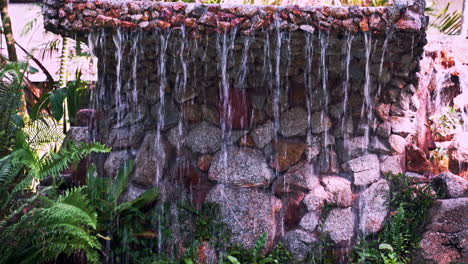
x: 409, y: 205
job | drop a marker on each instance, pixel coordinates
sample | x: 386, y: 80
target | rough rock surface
x: 450, y: 185
x: 248, y: 213
x: 365, y: 169
x: 339, y: 190
x: 115, y: 162
x: 299, y: 242
x: 263, y: 134
x: 243, y: 167
x: 293, y: 122
x: 152, y: 158
x: 373, y: 207
x: 204, y: 138
x: 299, y: 177
x: 340, y: 224
x: 316, y: 198
x: 310, y: 221
x: 445, y: 240
x: 287, y: 153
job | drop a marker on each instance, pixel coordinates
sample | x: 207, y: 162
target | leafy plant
x: 410, y: 206
x: 239, y: 255
x: 126, y: 227
x: 11, y: 85
x: 61, y: 227
x: 447, y: 22
x: 54, y: 100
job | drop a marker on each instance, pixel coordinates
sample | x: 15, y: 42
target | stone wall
x: 271, y: 112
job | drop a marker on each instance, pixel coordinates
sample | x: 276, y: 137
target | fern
x: 64, y: 226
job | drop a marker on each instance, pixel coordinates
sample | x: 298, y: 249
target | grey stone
x: 263, y: 134
x: 169, y: 111
x: 115, y: 161
x: 402, y: 125
x: 183, y: 95
x: 204, y: 138
x: 78, y: 134
x: 131, y: 193
x: 384, y: 130
x: 339, y: 191
x: 340, y: 224
x: 373, y: 207
x: 125, y: 137
x: 378, y: 146
x: 450, y: 185
x: 351, y: 148
x: 153, y: 156
x: 365, y: 169
x: 449, y: 215
x: 301, y: 176
x: 293, y: 122
x: 320, y: 122
x: 397, y: 143
x: 310, y: 221
x: 176, y: 136
x: 243, y: 167
x: 390, y: 164
x: 248, y: 212
x: 315, y: 199
x: 299, y: 243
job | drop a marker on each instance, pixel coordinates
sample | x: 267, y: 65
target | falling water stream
x: 182, y: 64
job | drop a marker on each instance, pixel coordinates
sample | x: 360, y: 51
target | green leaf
x: 233, y: 260
x: 121, y: 181
x: 56, y: 102
x: 145, y: 198
x: 31, y: 69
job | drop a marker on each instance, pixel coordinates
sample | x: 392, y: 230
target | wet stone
x: 293, y: 122
x: 241, y: 167
x: 373, y: 204
x: 340, y: 224
x: 204, y: 138
x: 248, y: 213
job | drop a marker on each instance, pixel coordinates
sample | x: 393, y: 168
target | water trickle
x: 323, y: 38
x: 347, y: 51
x: 366, y: 110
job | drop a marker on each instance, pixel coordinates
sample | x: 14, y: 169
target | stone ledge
x: 79, y: 17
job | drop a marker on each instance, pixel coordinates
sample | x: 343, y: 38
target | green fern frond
x: 70, y: 153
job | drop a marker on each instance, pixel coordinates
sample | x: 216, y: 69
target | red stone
x: 190, y: 22
x: 247, y: 141
x: 237, y: 21
x: 114, y: 13
x: 128, y: 24
x: 410, y: 21
x: 296, y: 11
x: 224, y: 26
x: 178, y: 6
x: 287, y: 154
x: 416, y: 160
x: 223, y: 16
x: 79, y: 7
x: 204, y: 162
x: 166, y: 13
x: 364, y: 24
x: 293, y: 211
x: 90, y: 5
x: 284, y: 15
x: 163, y: 24
x: 238, y: 103
x: 177, y: 19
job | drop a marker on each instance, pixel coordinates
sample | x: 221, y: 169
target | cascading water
x: 177, y: 72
